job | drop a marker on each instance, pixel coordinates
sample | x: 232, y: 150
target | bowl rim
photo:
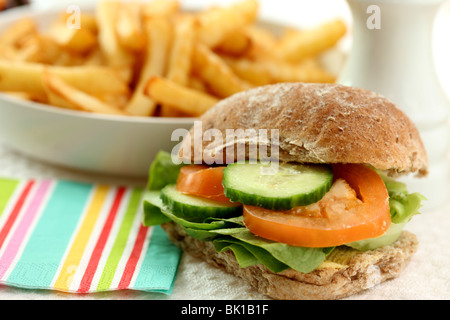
x: 90, y: 115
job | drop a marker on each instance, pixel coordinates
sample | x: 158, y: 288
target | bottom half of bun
x: 345, y: 272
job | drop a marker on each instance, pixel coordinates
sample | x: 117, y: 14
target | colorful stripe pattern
x: 78, y: 237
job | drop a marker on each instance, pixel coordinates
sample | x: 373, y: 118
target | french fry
x: 184, y: 99
x: 93, y: 79
x: 129, y: 28
x: 217, y: 24
x: 78, y: 40
x: 18, y: 76
x: 8, y: 53
x: 160, y: 8
x: 54, y: 98
x: 311, y: 42
x: 118, y: 100
x: 288, y: 34
x: 197, y: 84
x: 69, y: 59
x: 251, y: 71
x: 180, y: 62
x: 27, y: 96
x: 18, y: 31
x: 47, y: 50
x: 202, y: 56
x: 73, y: 97
x: 218, y: 76
x: 125, y: 74
x: 27, y: 77
x: 39, y: 48
x: 235, y: 45
x: 28, y: 52
x: 96, y: 58
x: 300, y: 72
x: 266, y: 71
x: 87, y: 21
x: 11, y: 40
x: 160, y: 34
x: 114, y: 53
x: 263, y: 42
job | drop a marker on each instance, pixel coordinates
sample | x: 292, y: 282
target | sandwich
x: 303, y: 200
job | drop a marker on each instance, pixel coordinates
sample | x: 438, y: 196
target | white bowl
x: 114, y: 145
x: 117, y: 145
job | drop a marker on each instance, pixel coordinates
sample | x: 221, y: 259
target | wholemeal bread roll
x: 321, y: 123
x: 317, y: 123
x: 345, y: 272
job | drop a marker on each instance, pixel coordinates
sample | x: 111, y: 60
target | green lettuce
x: 403, y: 205
x: 388, y: 238
x: 162, y: 171
x: 231, y: 234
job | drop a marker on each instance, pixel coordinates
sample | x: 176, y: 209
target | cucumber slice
x: 390, y: 236
x: 195, y: 208
x: 292, y: 185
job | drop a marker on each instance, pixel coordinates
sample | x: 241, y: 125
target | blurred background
x: 303, y: 13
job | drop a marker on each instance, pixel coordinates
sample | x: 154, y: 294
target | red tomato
x: 203, y: 181
x: 347, y: 213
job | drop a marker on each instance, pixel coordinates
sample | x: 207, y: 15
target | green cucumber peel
x: 291, y: 186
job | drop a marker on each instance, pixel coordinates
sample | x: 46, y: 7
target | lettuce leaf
x: 152, y: 212
x: 244, y: 257
x: 298, y: 258
x: 162, y: 171
x: 249, y: 254
x: 231, y: 234
x: 388, y: 238
x: 403, y: 205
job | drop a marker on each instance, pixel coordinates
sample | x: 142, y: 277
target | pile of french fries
x: 152, y: 58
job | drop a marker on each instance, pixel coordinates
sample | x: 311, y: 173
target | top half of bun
x: 323, y: 123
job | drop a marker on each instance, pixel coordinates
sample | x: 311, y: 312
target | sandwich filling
x: 291, y: 219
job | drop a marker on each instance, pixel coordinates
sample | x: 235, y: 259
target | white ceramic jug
x: 392, y: 55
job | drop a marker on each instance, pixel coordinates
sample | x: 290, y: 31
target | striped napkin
x: 78, y: 237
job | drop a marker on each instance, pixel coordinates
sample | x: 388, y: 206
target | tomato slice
x: 353, y: 210
x: 203, y: 181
